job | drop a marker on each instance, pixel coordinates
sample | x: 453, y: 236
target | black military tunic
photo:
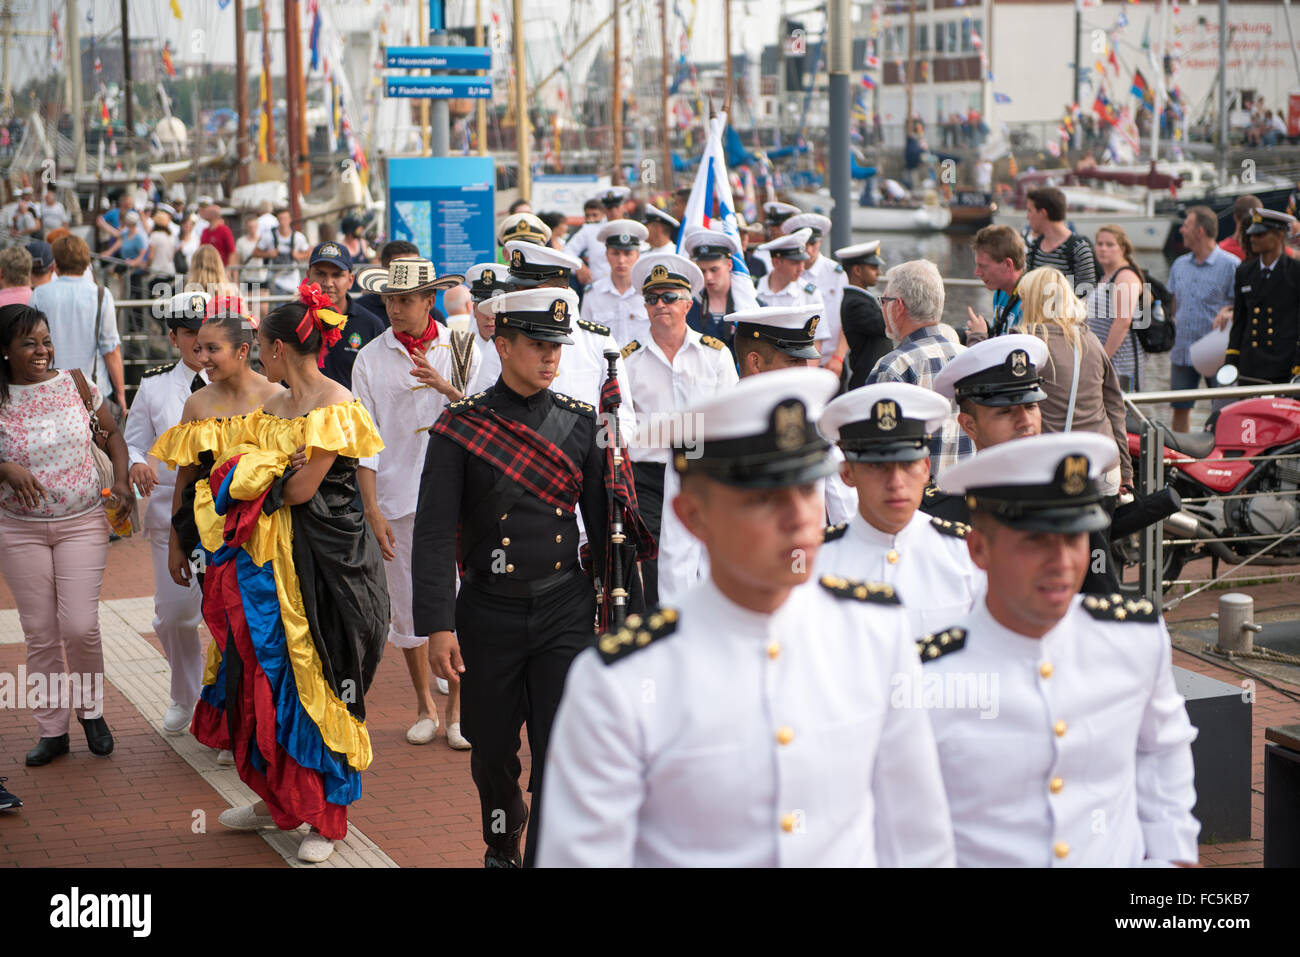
x: 1265, y: 338
x: 525, y: 607
x: 863, y: 323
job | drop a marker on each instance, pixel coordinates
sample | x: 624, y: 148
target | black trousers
x: 517, y: 652
x: 650, y: 500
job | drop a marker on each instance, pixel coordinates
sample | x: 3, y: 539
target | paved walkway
x: 155, y: 800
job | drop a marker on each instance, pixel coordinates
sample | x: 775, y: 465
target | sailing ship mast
x: 663, y: 94
x: 241, y: 97
x: 616, y: 124
x: 522, y: 131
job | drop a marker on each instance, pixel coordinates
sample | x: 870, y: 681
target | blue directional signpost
x: 439, y: 87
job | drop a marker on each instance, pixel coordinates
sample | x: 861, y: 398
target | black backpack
x: 1156, y: 306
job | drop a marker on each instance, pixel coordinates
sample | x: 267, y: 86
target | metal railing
x: 1149, y: 476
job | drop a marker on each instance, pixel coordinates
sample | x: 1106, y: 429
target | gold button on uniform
x: 1045, y: 669
x: 1055, y: 785
x: 509, y: 569
x: 504, y: 517
x: 505, y: 541
x: 1059, y: 728
x: 893, y: 557
x: 787, y: 823
x: 558, y: 510
x: 1062, y: 850
x: 785, y: 735
x: 774, y: 650
x: 558, y: 539
x: 557, y: 566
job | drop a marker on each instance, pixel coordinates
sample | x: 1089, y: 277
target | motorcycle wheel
x: 1124, y: 555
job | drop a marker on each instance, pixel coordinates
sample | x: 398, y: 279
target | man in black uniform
x: 861, y: 320
x: 508, y: 467
x: 1265, y: 338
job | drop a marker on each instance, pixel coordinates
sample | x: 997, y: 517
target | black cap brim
x: 1011, y: 397
x: 1067, y: 521
x: 1256, y: 228
x: 798, y: 255
x: 797, y: 352
x: 779, y: 474
x: 888, y: 452
x: 559, y: 337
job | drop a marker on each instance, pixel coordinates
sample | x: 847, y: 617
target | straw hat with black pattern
x: 405, y: 275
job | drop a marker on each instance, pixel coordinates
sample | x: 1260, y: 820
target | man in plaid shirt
x: 913, y: 307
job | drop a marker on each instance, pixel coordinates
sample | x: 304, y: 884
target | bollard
x: 1235, y: 626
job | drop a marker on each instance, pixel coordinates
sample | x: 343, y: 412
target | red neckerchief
x: 418, y: 346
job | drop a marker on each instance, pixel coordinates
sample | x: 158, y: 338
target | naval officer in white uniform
x: 751, y: 726
x: 884, y: 432
x: 1081, y: 755
x: 157, y: 406
x: 824, y: 273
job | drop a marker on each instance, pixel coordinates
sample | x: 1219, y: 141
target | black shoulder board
x: 941, y: 643
x: 595, y: 327
x: 158, y: 370
x: 630, y: 348
x: 460, y: 405
x: 945, y: 527
x: 863, y: 591
x: 572, y: 404
x: 713, y: 343
x: 636, y: 633
x: 835, y: 531
x: 1119, y: 608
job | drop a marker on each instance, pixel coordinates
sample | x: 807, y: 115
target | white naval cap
x: 525, y: 226
x: 996, y: 372
x: 614, y: 195
x: 819, y: 225
x: 885, y: 422
x: 652, y: 211
x: 543, y: 314
x: 485, y: 280
x: 762, y: 432
x: 531, y: 264
x: 702, y: 243
x: 667, y: 269
x: 622, y: 234
x: 774, y: 213
x: 1262, y: 220
x: 1041, y: 483
x: 788, y: 328
x: 186, y: 310
x: 790, y: 246
x: 860, y: 254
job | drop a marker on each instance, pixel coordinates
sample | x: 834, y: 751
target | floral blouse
x: 44, y: 427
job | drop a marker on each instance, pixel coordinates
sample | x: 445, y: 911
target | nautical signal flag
x: 167, y: 61
x: 1141, y: 90
x: 176, y: 9
x: 1001, y: 98
x: 867, y: 82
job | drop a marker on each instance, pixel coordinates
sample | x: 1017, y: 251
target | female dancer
x: 299, y: 603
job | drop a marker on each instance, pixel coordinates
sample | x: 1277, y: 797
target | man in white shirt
x: 157, y: 407
x: 612, y: 300
x: 824, y: 273
x: 752, y: 725
x: 1080, y: 755
x: 883, y: 431
x: 784, y: 284
x: 774, y: 214
x: 53, y: 214
x: 283, y: 247
x: 675, y: 367
x: 663, y: 229
x: 403, y: 378
x: 584, y: 244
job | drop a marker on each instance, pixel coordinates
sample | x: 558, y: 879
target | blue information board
x: 439, y: 87
x: 438, y: 58
x: 446, y: 205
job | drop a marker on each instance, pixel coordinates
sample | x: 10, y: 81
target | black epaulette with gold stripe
x: 630, y: 348
x: 573, y: 405
x: 712, y: 342
x: 595, y: 327
x: 636, y: 633
x: 945, y: 527
x: 835, y: 531
x: 1119, y: 608
x: 158, y: 370
x: 876, y: 592
x: 468, y: 402
x: 941, y: 643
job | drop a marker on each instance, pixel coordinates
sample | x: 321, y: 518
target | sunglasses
x: 667, y: 298
x: 885, y: 299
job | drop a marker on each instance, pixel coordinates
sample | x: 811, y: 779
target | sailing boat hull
x: 879, y: 219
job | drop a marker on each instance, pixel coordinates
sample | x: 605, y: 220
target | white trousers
x: 176, y: 615
x: 401, y: 630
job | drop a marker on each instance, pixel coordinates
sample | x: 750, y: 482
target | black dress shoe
x: 507, y: 855
x: 46, y: 750
x: 98, y: 737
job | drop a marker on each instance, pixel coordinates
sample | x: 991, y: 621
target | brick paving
x: 138, y: 807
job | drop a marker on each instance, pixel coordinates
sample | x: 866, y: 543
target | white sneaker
x: 177, y: 719
x: 226, y: 757
x: 423, y: 731
x: 443, y: 687
x: 315, y: 847
x: 245, y: 819
x: 456, y: 739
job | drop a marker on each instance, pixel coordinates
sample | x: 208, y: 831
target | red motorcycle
x: 1239, y: 482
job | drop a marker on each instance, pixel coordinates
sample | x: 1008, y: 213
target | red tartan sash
x: 532, y: 460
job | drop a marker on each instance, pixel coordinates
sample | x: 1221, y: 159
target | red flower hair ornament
x: 320, y: 316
